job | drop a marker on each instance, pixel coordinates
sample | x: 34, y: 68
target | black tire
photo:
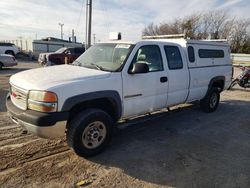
x: 211, y: 101
x: 1, y: 65
x: 9, y: 52
x: 79, y: 131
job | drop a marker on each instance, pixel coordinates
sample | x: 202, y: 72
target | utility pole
x: 88, y: 23
x: 61, y: 25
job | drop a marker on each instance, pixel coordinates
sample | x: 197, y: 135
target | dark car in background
x: 61, y: 56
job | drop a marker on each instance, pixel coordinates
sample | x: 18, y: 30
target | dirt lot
x: 181, y: 148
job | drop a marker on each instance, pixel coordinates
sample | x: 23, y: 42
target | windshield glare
x: 106, y: 57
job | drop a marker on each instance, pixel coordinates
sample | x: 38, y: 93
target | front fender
x: 108, y: 94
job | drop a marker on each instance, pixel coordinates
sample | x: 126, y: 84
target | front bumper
x: 45, y: 125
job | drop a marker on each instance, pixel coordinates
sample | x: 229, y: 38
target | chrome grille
x: 19, y: 97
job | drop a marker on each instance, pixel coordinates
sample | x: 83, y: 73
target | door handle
x: 164, y: 79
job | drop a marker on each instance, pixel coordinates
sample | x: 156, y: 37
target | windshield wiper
x: 98, y: 67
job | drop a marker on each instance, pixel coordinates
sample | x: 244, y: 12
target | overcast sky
x: 31, y: 18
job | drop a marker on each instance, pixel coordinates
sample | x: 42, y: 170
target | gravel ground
x: 181, y: 148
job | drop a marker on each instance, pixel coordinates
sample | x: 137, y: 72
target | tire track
x: 21, y: 139
x: 34, y: 149
x: 6, y: 173
x: 15, y: 133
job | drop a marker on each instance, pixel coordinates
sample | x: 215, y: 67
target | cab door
x: 145, y: 92
x: 178, y: 74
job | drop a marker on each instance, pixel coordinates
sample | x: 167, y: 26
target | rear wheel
x: 89, y: 132
x: 211, y: 101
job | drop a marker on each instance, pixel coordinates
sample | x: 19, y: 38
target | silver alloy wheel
x: 94, y: 134
x: 213, y: 100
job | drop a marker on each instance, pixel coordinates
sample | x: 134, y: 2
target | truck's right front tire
x: 89, y: 132
x: 211, y: 101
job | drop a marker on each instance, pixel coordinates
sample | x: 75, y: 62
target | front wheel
x: 211, y: 101
x: 89, y: 132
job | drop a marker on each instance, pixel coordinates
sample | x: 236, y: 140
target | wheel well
x: 9, y: 51
x: 104, y: 104
x: 218, y: 84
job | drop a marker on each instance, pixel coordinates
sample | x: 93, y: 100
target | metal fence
x: 240, y: 57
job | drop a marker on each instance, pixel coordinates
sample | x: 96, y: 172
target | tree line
x: 208, y: 25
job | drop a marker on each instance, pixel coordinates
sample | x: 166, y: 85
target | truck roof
x: 117, y: 42
x: 181, y: 41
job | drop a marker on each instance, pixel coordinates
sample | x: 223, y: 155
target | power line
x: 106, y: 15
x: 79, y: 17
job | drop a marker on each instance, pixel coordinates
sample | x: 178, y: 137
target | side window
x: 207, y: 53
x: 191, y: 56
x: 71, y: 50
x: 174, y: 57
x: 151, y: 55
x: 66, y: 51
x: 79, y: 51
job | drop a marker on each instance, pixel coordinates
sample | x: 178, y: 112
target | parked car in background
x: 61, y: 56
x: 9, y: 48
x: 7, y: 61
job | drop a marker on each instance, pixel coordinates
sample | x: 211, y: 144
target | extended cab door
x: 178, y: 74
x: 144, y: 92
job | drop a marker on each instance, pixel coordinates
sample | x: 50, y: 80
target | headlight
x: 43, y: 101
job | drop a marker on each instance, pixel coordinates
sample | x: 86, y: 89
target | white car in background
x: 7, y: 61
x: 9, y: 48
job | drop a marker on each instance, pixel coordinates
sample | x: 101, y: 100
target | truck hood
x: 50, y: 77
x: 45, y: 54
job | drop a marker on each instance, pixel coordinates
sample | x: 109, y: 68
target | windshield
x: 61, y: 50
x: 106, y: 57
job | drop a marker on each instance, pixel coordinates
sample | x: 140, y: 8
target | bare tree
x: 213, y: 25
x: 240, y: 36
x: 215, y: 21
x: 151, y: 29
x: 189, y: 25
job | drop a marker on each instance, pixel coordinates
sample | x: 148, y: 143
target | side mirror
x: 139, y: 68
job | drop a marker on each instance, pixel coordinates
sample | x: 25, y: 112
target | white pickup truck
x: 117, y: 80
